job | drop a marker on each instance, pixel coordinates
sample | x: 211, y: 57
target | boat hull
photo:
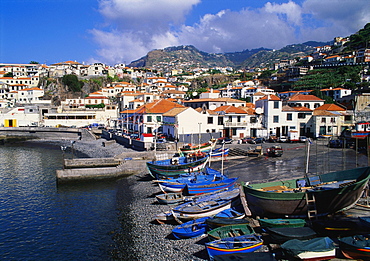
x: 202, y: 213
x: 265, y: 203
x: 165, y: 168
x: 194, y: 189
x: 170, y: 198
x: 229, y: 231
x: 233, y: 245
x: 321, y: 248
x: 282, y: 222
x: 190, y: 229
x: 350, y: 249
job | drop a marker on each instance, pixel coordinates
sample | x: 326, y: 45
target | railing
x: 235, y: 124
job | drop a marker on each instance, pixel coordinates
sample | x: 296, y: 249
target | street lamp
x: 73, y: 142
x: 200, y: 126
x: 63, y: 148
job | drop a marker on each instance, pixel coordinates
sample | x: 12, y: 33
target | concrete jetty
x: 91, y: 163
x: 125, y: 168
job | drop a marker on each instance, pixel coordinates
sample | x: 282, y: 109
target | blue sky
x: 116, y: 31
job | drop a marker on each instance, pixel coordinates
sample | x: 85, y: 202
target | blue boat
x: 219, y: 152
x: 230, y: 214
x: 178, y: 184
x: 191, y: 229
x: 234, y: 245
x: 206, y: 206
x: 175, y: 167
x: 193, y: 189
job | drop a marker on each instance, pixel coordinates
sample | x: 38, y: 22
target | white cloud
x: 138, y: 26
x: 291, y: 10
x: 134, y: 27
x: 338, y: 17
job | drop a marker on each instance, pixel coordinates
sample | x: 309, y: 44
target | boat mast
x: 308, y: 142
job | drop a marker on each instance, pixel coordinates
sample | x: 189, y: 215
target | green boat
x: 282, y: 222
x: 229, y: 231
x: 331, y: 192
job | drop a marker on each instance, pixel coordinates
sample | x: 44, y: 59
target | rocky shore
x: 142, y: 238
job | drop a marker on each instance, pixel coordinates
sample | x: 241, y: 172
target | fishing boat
x: 282, y: 222
x: 164, y: 217
x: 219, y: 222
x: 219, y: 152
x: 201, y: 209
x: 255, y: 256
x: 321, y: 248
x: 196, y: 148
x: 206, y: 206
x: 234, y: 245
x: 355, y: 247
x: 230, y: 214
x: 229, y: 231
x: 170, y: 198
x: 176, y: 166
x: 280, y: 235
x: 191, y: 229
x: 193, y: 189
x: 335, y: 228
x: 178, y: 184
x: 332, y: 192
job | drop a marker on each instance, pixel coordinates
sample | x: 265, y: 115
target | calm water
x: 42, y: 221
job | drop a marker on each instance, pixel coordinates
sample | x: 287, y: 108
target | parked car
x: 283, y: 139
x: 259, y: 140
x: 224, y: 140
x: 248, y: 140
x: 302, y: 139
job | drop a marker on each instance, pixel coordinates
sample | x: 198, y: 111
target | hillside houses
x: 161, y: 104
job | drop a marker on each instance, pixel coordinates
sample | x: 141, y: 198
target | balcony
x: 235, y: 124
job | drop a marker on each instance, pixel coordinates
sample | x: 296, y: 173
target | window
x: 220, y: 120
x: 332, y: 120
x: 253, y: 119
x: 323, y: 120
x: 159, y: 119
x: 289, y: 117
x: 230, y: 119
x: 239, y: 119
x: 307, y: 105
x: 149, y: 119
x: 276, y: 105
x: 330, y: 128
x: 210, y: 120
x: 348, y: 118
x: 301, y: 115
x: 276, y: 119
x: 316, y: 105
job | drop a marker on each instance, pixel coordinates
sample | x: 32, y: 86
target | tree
x: 33, y: 62
x: 9, y: 74
x: 72, y: 82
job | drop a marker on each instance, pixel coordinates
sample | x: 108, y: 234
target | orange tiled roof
x: 303, y: 97
x: 230, y: 109
x: 270, y: 97
x: 330, y: 107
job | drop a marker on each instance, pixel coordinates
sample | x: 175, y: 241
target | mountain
x: 187, y: 56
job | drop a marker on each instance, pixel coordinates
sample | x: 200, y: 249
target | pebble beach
x: 137, y: 206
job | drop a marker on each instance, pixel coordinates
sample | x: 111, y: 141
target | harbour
x: 134, y: 206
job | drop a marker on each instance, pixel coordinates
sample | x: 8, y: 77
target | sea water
x: 41, y: 220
